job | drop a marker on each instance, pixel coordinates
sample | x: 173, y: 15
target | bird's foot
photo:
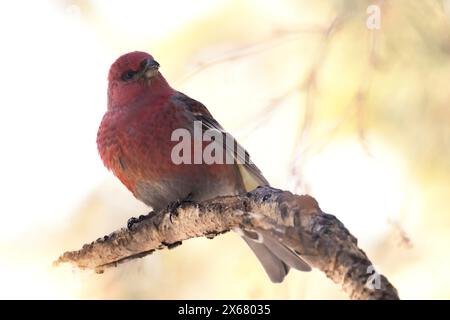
x: 172, y: 208
x: 134, y: 220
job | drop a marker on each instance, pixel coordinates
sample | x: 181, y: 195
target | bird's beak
x: 150, y: 68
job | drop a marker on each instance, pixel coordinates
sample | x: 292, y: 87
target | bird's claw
x: 134, y: 220
x: 131, y: 222
x: 172, y: 208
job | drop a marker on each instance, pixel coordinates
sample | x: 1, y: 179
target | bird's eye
x: 128, y: 75
x: 144, y: 63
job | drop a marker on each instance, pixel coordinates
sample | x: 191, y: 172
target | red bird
x: 135, y: 142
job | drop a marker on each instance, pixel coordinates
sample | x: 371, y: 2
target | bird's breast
x: 137, y: 148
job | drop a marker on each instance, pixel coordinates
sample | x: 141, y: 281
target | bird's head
x: 132, y: 76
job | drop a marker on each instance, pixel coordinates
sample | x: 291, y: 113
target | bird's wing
x: 251, y: 175
x: 275, y: 257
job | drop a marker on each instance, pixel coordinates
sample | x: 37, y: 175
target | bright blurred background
x: 358, y: 118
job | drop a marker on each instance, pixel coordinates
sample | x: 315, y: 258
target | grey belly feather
x: 159, y: 195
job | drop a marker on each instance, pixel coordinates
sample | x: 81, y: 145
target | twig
x: 296, y: 221
x: 276, y: 38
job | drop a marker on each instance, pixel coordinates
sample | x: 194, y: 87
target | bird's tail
x: 274, y: 256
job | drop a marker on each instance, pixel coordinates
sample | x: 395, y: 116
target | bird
x: 135, y: 142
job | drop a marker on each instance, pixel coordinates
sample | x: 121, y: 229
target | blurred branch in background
x: 296, y: 221
x: 277, y: 38
x: 302, y: 145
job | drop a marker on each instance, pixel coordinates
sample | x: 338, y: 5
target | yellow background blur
x: 358, y: 118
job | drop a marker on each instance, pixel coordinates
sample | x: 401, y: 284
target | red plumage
x: 134, y: 142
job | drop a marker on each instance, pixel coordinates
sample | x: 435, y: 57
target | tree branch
x: 297, y: 221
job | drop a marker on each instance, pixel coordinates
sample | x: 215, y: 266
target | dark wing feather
x: 275, y: 257
x: 251, y: 175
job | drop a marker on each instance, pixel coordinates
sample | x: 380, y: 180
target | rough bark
x: 295, y: 220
